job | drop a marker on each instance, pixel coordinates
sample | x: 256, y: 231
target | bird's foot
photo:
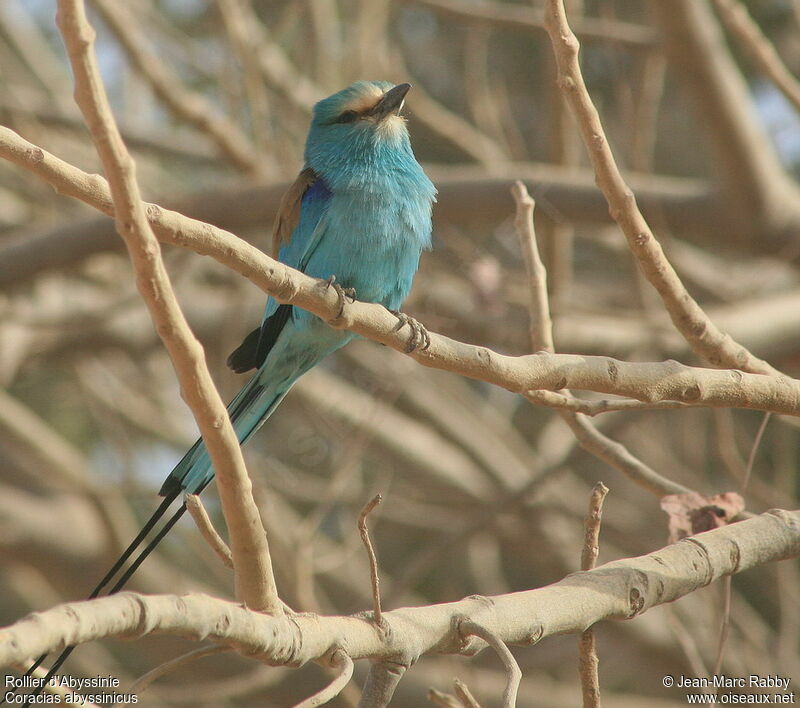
x: 420, y: 339
x: 343, y: 294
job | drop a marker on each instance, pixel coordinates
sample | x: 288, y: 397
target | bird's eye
x: 347, y: 117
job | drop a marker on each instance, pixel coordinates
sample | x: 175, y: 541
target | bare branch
x: 381, y: 683
x: 194, y: 505
x: 373, y: 561
x: 254, y: 580
x: 620, y: 589
x: 465, y: 695
x: 518, y: 16
x: 141, y: 684
x: 466, y: 195
x: 667, y: 381
x: 753, y: 183
x: 620, y: 458
x: 593, y: 519
x: 541, y: 326
x: 513, y: 672
x: 344, y: 664
x: 590, y: 438
x: 688, y: 317
x: 587, y: 661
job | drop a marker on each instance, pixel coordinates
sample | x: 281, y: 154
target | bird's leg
x: 420, y: 339
x: 342, y: 294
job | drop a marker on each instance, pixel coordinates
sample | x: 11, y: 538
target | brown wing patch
x: 288, y: 214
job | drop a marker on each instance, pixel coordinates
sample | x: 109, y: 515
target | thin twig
x: 727, y: 591
x: 591, y: 546
x: 444, y: 700
x: 725, y: 625
x: 255, y: 583
x: 465, y: 695
x: 541, y: 326
x: 513, y: 672
x: 373, y: 561
x: 344, y: 664
x: 141, y: 684
x: 194, y: 505
x: 587, y: 657
x: 589, y: 437
x: 753, y: 450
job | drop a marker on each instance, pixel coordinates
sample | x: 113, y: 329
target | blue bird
x: 359, y: 212
x: 358, y: 215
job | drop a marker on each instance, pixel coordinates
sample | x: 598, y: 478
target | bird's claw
x: 342, y: 293
x: 420, y: 339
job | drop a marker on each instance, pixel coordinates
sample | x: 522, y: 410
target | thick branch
x: 618, y: 590
x: 254, y: 580
x: 649, y: 382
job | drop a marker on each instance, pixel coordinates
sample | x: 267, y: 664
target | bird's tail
x: 248, y: 411
x: 111, y: 574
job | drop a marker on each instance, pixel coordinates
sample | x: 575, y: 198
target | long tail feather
x: 248, y: 411
x: 127, y: 553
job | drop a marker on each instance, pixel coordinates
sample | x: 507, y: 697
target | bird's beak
x: 391, y: 103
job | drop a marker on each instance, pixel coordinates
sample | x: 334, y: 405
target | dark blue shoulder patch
x: 318, y: 190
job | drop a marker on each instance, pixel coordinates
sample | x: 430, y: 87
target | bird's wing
x: 297, y: 231
x: 288, y: 216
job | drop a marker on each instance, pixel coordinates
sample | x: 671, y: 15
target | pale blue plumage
x: 364, y: 217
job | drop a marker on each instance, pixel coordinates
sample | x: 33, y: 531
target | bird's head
x: 358, y: 124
